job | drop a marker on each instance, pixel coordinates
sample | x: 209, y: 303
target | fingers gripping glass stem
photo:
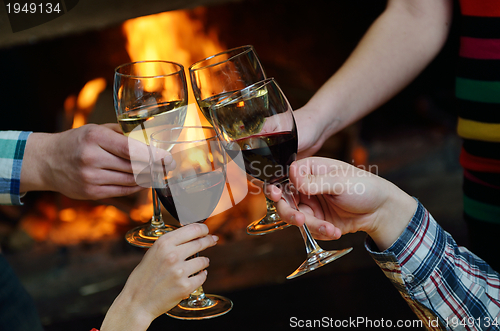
x: 316, y: 256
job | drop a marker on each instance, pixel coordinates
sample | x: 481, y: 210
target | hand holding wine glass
x: 156, y: 285
x: 240, y: 120
x: 219, y: 75
x: 189, y: 183
x: 148, y: 95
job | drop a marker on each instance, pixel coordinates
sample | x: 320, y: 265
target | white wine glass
x: 219, y: 75
x: 257, y: 123
x: 148, y: 95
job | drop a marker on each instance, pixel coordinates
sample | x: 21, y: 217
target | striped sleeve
x: 12, y: 144
x: 438, y: 279
x: 477, y: 85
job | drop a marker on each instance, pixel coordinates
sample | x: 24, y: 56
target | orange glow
x: 143, y: 211
x: 179, y: 36
x: 176, y: 36
x: 90, y: 92
x: 79, y: 108
x: 79, y: 120
x: 73, y: 225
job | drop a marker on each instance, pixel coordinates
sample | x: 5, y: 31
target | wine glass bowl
x: 148, y: 95
x: 219, y: 75
x: 188, y: 168
x: 268, y: 148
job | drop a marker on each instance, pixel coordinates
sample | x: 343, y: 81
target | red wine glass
x: 219, y: 75
x: 148, y: 95
x: 257, y: 122
x: 188, y: 167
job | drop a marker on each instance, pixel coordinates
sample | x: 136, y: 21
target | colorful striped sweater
x: 478, y: 99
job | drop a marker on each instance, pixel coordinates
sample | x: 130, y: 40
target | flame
x: 80, y: 107
x: 179, y: 36
x: 143, y: 211
x: 70, y: 226
x: 172, y: 36
x: 90, y: 92
x: 198, y: 158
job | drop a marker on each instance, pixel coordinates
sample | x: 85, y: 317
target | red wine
x: 268, y: 156
x: 192, y: 199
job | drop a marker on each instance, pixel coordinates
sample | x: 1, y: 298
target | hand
x: 90, y: 162
x: 336, y: 198
x: 162, y: 279
x: 313, y: 129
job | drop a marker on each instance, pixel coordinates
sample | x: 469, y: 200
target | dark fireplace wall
x: 300, y: 44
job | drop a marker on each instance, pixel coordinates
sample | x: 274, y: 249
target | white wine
x: 208, y: 102
x: 230, y: 112
x: 133, y: 119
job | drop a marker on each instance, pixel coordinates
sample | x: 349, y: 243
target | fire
x: 172, y: 36
x: 80, y: 107
x: 70, y: 226
x: 179, y: 36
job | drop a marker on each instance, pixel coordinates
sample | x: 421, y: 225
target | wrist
x: 35, y: 167
x: 393, y: 218
x: 315, y: 126
x: 124, y: 316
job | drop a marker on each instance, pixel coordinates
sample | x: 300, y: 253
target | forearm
x: 428, y: 268
x: 397, y: 47
x: 36, y: 162
x: 122, y: 316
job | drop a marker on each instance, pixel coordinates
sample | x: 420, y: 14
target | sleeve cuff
x: 413, y: 256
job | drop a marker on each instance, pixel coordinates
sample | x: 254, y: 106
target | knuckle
x: 92, y: 133
x: 171, y: 258
x: 88, y: 157
x: 199, y: 245
x: 178, y: 273
x: 204, y: 263
x: 86, y: 176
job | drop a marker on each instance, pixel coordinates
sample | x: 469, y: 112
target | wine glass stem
x: 197, y: 297
x: 287, y: 189
x: 157, y: 220
x: 270, y: 205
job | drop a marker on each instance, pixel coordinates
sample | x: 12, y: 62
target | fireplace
x: 70, y: 254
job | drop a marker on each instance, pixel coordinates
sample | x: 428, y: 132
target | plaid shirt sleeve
x: 446, y: 286
x: 12, y: 144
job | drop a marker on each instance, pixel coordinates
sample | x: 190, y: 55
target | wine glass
x: 192, y: 174
x: 148, y: 95
x: 258, y: 122
x: 219, y: 75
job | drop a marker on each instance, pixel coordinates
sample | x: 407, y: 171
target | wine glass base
x: 265, y: 226
x: 319, y: 259
x: 146, y: 235
x: 217, y: 306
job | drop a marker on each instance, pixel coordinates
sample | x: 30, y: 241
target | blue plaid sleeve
x: 447, y: 286
x: 12, y: 144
